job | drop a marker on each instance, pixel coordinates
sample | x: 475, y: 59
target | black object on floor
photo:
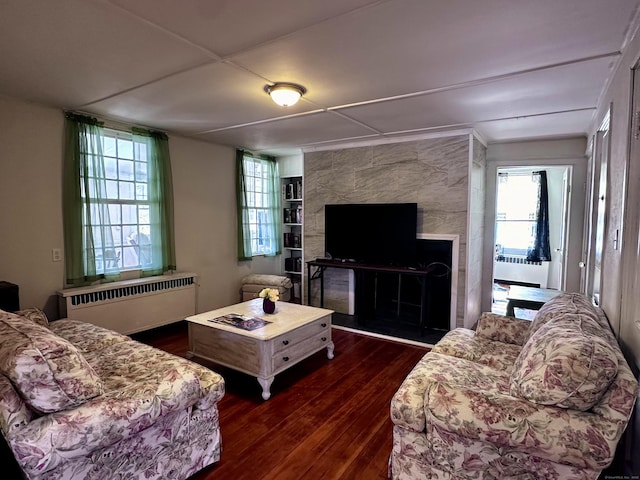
x: 9, y: 297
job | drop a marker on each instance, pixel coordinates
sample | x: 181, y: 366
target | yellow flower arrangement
x: 271, y: 293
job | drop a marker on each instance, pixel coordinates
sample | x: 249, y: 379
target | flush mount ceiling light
x: 285, y: 94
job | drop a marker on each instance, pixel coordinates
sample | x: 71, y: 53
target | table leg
x: 399, y: 295
x: 330, y: 350
x: 308, y: 284
x: 265, y: 383
x: 510, y: 312
x: 424, y: 293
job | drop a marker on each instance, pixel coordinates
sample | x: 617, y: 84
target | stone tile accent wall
x: 434, y: 173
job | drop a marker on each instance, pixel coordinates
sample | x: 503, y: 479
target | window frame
x: 111, y: 259
x: 517, y: 220
x: 258, y: 208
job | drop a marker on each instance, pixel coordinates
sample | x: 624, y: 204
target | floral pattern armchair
x: 515, y: 399
x: 79, y: 401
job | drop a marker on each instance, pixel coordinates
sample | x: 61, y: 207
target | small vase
x: 268, y: 306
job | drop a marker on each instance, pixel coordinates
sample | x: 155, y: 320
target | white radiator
x: 131, y: 306
x: 518, y: 269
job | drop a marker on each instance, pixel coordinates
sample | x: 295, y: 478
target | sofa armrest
x: 408, y: 405
x: 14, y: 412
x: 444, y: 394
x: 503, y: 329
x: 580, y: 439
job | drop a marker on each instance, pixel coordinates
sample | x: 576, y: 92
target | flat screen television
x: 374, y: 233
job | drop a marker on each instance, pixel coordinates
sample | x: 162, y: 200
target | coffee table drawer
x: 300, y: 350
x: 289, y: 339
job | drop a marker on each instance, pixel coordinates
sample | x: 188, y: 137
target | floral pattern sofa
x: 516, y: 399
x: 78, y: 401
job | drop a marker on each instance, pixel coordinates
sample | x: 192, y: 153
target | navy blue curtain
x: 541, y: 250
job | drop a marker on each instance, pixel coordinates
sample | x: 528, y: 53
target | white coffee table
x: 295, y: 333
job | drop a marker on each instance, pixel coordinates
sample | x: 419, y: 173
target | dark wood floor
x: 326, y: 419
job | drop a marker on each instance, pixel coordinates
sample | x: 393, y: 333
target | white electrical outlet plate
x: 56, y: 255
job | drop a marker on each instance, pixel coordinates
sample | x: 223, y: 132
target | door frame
x: 564, y: 233
x: 556, y: 273
x: 575, y: 228
x: 595, y: 213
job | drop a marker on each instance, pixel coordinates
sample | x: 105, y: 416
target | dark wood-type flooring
x: 326, y: 419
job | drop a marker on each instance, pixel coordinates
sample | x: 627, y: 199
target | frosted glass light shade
x: 285, y: 94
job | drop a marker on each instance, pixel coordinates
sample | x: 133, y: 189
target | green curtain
x: 274, y: 223
x: 160, y: 192
x: 244, y: 237
x: 274, y: 205
x: 83, y: 181
x: 85, y: 202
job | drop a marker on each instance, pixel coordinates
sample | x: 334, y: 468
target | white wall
x: 205, y: 221
x: 31, y: 151
x: 620, y: 292
x: 618, y: 97
x: 543, y: 153
x: 31, y: 144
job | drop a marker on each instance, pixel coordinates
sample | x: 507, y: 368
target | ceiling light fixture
x: 285, y: 94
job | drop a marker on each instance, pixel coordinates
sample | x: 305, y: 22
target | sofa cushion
x: 470, y: 345
x: 274, y: 281
x: 48, y: 371
x: 503, y: 329
x: 85, y: 336
x: 564, y: 365
x: 563, y: 304
x: 35, y: 315
x: 137, y: 367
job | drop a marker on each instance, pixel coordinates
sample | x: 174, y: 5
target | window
x: 118, y: 201
x: 258, y: 206
x: 260, y: 218
x: 516, y: 206
x: 120, y: 223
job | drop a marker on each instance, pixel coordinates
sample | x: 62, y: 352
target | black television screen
x: 374, y: 233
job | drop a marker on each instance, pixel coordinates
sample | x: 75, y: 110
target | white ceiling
x: 511, y: 69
